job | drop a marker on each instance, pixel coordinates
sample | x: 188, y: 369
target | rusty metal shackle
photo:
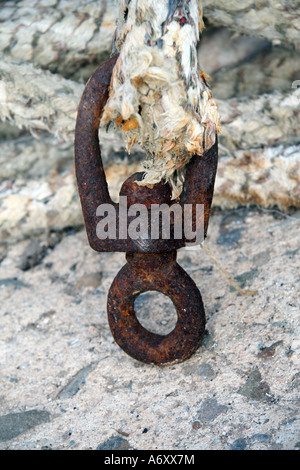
x: 151, y: 263
x: 156, y: 272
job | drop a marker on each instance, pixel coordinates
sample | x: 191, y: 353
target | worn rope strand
x: 158, y: 96
x: 226, y: 274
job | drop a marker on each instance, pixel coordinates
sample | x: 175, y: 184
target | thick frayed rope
x: 158, y: 96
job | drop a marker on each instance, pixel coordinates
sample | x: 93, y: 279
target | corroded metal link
x: 92, y: 185
x: 158, y: 272
x: 151, y: 263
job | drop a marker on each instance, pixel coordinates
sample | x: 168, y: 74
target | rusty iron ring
x: 156, y: 272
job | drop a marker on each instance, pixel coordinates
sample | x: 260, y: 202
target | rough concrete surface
x: 65, y: 384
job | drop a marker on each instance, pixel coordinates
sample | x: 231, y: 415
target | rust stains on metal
x: 151, y: 263
x: 159, y: 272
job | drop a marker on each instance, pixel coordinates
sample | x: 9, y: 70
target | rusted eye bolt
x: 151, y: 262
